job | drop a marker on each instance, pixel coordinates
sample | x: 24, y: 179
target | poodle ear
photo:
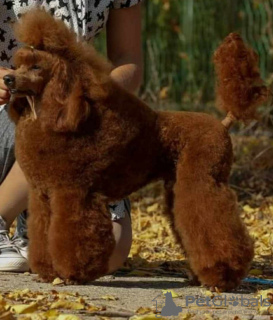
x: 74, y: 112
x: 66, y: 105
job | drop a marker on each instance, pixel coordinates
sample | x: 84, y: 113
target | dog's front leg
x: 38, y: 224
x: 80, y: 235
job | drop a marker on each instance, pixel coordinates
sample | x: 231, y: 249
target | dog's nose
x: 9, y: 80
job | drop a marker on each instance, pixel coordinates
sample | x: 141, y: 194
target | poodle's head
x: 63, y: 75
x: 34, y: 69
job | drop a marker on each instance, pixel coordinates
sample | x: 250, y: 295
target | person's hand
x: 4, y: 92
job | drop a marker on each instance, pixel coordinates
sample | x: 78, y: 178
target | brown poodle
x: 83, y: 141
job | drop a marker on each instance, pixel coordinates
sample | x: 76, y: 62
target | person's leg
x: 13, y: 185
x: 13, y: 195
x: 122, y: 230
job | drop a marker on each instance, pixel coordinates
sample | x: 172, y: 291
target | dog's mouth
x: 29, y: 95
x: 21, y: 93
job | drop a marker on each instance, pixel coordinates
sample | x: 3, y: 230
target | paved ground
x: 135, y: 292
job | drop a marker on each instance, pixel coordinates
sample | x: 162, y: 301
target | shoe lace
x: 5, y: 241
x: 18, y: 241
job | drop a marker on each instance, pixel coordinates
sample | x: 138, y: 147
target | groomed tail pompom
x: 240, y: 89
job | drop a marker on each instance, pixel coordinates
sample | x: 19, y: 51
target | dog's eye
x: 35, y: 67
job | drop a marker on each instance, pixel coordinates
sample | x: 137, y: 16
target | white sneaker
x: 20, y: 239
x: 21, y: 244
x: 11, y: 258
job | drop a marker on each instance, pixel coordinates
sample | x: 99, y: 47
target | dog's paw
x: 221, y: 277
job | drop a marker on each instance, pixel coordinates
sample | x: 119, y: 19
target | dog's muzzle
x: 9, y: 81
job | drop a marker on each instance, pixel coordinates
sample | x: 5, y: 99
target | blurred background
x: 180, y: 36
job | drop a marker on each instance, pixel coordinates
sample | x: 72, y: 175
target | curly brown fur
x: 93, y: 142
x: 240, y: 89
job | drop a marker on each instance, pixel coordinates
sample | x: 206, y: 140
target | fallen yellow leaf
x: 24, y: 308
x: 152, y: 208
x: 174, y: 294
x: 266, y: 294
x: 65, y: 304
x: 95, y: 308
x: 50, y: 313
x: 135, y: 249
x: 109, y: 297
x: 186, y: 316
x: 143, y: 310
x: 270, y: 310
x: 208, y: 293
x: 57, y: 281
x: 263, y: 310
x: 68, y: 317
x: 248, y: 209
x: 256, y: 272
x: 209, y: 316
x: 149, y: 316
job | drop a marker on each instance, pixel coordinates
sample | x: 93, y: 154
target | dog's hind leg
x: 38, y: 224
x: 80, y: 235
x: 206, y: 216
